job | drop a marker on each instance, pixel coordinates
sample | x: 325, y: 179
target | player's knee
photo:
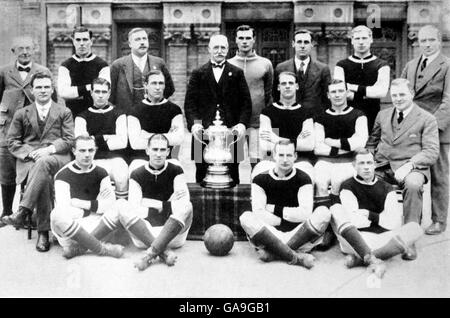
x: 338, y: 214
x: 113, y: 214
x: 182, y: 211
x: 250, y: 223
x: 126, y: 216
x: 119, y: 172
x: 412, y: 231
x: 59, y: 220
x: 43, y: 163
x: 321, y: 216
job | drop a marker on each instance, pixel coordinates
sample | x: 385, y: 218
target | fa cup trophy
x: 217, y: 154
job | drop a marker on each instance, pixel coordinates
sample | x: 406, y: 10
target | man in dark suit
x: 217, y: 86
x: 128, y: 73
x: 406, y: 143
x: 313, y: 77
x: 40, y: 137
x: 429, y: 75
x: 15, y: 93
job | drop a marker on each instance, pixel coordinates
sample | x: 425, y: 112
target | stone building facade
x: 179, y: 31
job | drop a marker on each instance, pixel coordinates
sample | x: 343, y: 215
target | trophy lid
x: 218, y: 125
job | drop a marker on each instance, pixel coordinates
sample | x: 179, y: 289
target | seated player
x: 339, y: 130
x: 83, y: 193
x: 109, y: 128
x: 158, y: 214
x: 287, y: 120
x: 369, y: 222
x: 282, y: 220
x: 154, y: 115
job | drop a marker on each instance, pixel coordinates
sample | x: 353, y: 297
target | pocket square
x: 413, y: 136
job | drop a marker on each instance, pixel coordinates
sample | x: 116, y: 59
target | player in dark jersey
x: 109, y: 128
x: 339, y: 130
x: 282, y: 221
x: 366, y: 75
x: 154, y: 115
x: 83, y: 193
x: 368, y: 224
x: 287, y: 120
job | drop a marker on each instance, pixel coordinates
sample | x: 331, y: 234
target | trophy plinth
x: 217, y: 154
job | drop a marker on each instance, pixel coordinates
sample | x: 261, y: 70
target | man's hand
x: 350, y: 95
x: 269, y: 136
x: 403, y: 171
x: 178, y: 195
x: 240, y: 128
x: 105, y: 194
x: 35, y: 155
x: 304, y: 134
x: 197, y: 132
x: 360, y: 218
x: 81, y: 204
x: 333, y: 142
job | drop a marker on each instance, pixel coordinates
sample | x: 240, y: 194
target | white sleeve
x: 339, y: 73
x: 359, y: 138
x: 381, y: 86
x: 105, y: 204
x: 392, y: 216
x: 351, y: 207
x: 179, y: 183
x: 80, y: 126
x: 105, y: 74
x: 62, y: 194
x: 259, y: 202
x: 320, y: 147
x: 265, y: 124
x: 304, y: 210
x: 306, y: 144
x: 134, y: 134
x: 119, y: 140
x: 65, y: 88
x: 176, y: 133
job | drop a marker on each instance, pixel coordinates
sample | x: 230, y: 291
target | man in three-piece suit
x: 406, y: 142
x: 429, y: 75
x: 313, y: 77
x: 128, y: 73
x: 217, y: 86
x: 15, y: 93
x: 40, y: 137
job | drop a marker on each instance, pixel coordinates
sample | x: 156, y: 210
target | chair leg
x: 29, y: 225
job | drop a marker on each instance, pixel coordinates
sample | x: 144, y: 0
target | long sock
x: 121, y: 195
x: 101, y: 230
x: 354, y: 238
x: 273, y: 244
x: 325, y: 201
x: 171, y: 229
x: 8, y: 192
x: 87, y: 240
x: 394, y: 247
x: 140, y: 230
x: 306, y: 233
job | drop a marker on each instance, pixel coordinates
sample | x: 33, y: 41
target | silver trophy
x: 217, y: 153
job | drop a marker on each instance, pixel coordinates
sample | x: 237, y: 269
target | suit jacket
x: 25, y: 136
x: 122, y: 80
x: 314, y: 92
x: 416, y: 141
x: 433, y: 95
x: 13, y: 94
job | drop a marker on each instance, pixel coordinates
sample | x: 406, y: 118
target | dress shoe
x: 43, y: 244
x: 4, y: 214
x: 410, y: 254
x: 435, y: 228
x: 17, y: 219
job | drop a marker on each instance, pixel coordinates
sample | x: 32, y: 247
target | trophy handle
x: 203, y: 131
x: 237, y: 139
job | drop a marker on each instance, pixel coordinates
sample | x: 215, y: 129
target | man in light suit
x: 406, y: 142
x: 128, y: 73
x: 15, y: 93
x: 40, y: 137
x: 313, y: 77
x: 217, y: 86
x: 429, y: 75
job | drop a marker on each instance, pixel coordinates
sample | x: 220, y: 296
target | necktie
x: 24, y: 69
x: 423, y: 65
x: 302, y: 68
x: 218, y: 65
x: 400, y: 117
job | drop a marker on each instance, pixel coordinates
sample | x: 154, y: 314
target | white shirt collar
x: 90, y: 57
x: 147, y: 102
x: 46, y: 106
x: 405, y: 112
x: 298, y: 61
x: 429, y: 58
x: 139, y: 61
x: 28, y: 65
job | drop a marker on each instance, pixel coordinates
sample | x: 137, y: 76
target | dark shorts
x: 7, y: 167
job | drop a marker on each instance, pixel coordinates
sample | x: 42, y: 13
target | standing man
x: 313, y: 76
x: 15, y: 93
x: 128, y: 73
x: 366, y: 75
x: 40, y: 137
x: 75, y: 75
x: 217, y: 86
x: 429, y: 75
x: 406, y: 143
x: 258, y: 73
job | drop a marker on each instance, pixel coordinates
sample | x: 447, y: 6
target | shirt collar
x: 139, y: 60
x: 430, y: 58
x: 147, y: 102
x: 361, y: 180
x: 21, y: 65
x: 221, y: 63
x: 405, y: 112
x: 46, y: 106
x: 298, y: 61
x: 88, y: 58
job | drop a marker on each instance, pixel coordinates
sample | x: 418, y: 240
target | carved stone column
x: 330, y: 23
x: 420, y: 13
x: 98, y: 18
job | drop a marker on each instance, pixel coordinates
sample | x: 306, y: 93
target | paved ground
x: 27, y: 273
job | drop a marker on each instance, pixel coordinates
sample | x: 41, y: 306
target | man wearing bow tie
x: 76, y: 74
x: 40, y: 137
x: 429, y: 75
x: 15, y: 93
x: 217, y: 86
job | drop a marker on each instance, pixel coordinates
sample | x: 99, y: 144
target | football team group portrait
x: 340, y: 155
